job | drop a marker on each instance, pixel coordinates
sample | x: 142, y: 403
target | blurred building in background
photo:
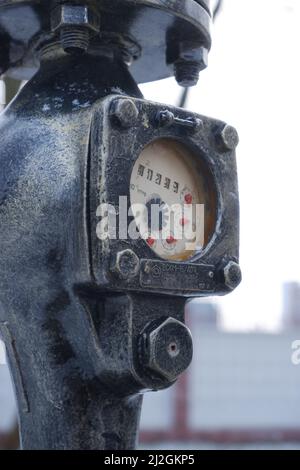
x: 291, y: 305
x: 241, y: 388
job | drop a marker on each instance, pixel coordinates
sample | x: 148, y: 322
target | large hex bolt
x: 167, y: 349
x: 75, y: 23
x: 232, y: 275
x: 126, y: 264
x: 191, y: 60
x: 228, y: 138
x: 124, y: 112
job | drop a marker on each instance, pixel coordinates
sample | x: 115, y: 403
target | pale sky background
x: 253, y: 82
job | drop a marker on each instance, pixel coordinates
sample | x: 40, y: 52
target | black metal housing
x: 82, y: 343
x: 203, y: 275
x: 89, y: 326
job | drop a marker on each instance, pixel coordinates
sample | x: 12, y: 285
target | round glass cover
x: 173, y: 200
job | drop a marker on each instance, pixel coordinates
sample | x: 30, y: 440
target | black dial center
x: 157, y: 214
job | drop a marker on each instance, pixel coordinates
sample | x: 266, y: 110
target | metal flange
x: 156, y: 34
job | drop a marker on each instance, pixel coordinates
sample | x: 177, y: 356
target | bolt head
x: 126, y: 264
x: 124, y: 112
x: 190, y: 52
x: 165, y: 118
x: 232, y: 275
x: 168, y: 349
x: 74, y: 15
x: 229, y: 138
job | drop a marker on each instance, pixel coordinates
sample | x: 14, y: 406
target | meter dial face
x: 173, y: 200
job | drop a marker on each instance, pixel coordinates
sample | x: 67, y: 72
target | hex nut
x: 189, y: 62
x: 74, y: 15
x: 126, y: 264
x: 168, y: 349
x: 124, y: 112
x: 228, y: 138
x: 190, y: 52
x: 232, y: 275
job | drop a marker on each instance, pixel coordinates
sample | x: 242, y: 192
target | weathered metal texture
x: 120, y: 146
x: 89, y: 325
x: 80, y: 356
x: 158, y: 37
x: 52, y: 342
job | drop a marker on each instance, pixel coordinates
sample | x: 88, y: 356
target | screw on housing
x: 167, y: 348
x: 232, y: 275
x: 167, y: 118
x: 124, y: 112
x: 228, y: 138
x: 126, y: 265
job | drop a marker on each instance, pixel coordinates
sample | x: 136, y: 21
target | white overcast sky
x: 253, y: 82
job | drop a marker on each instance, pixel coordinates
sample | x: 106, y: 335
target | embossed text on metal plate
x: 177, y: 276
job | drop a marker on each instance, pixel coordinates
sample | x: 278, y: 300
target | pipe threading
x: 187, y: 73
x: 75, y: 39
